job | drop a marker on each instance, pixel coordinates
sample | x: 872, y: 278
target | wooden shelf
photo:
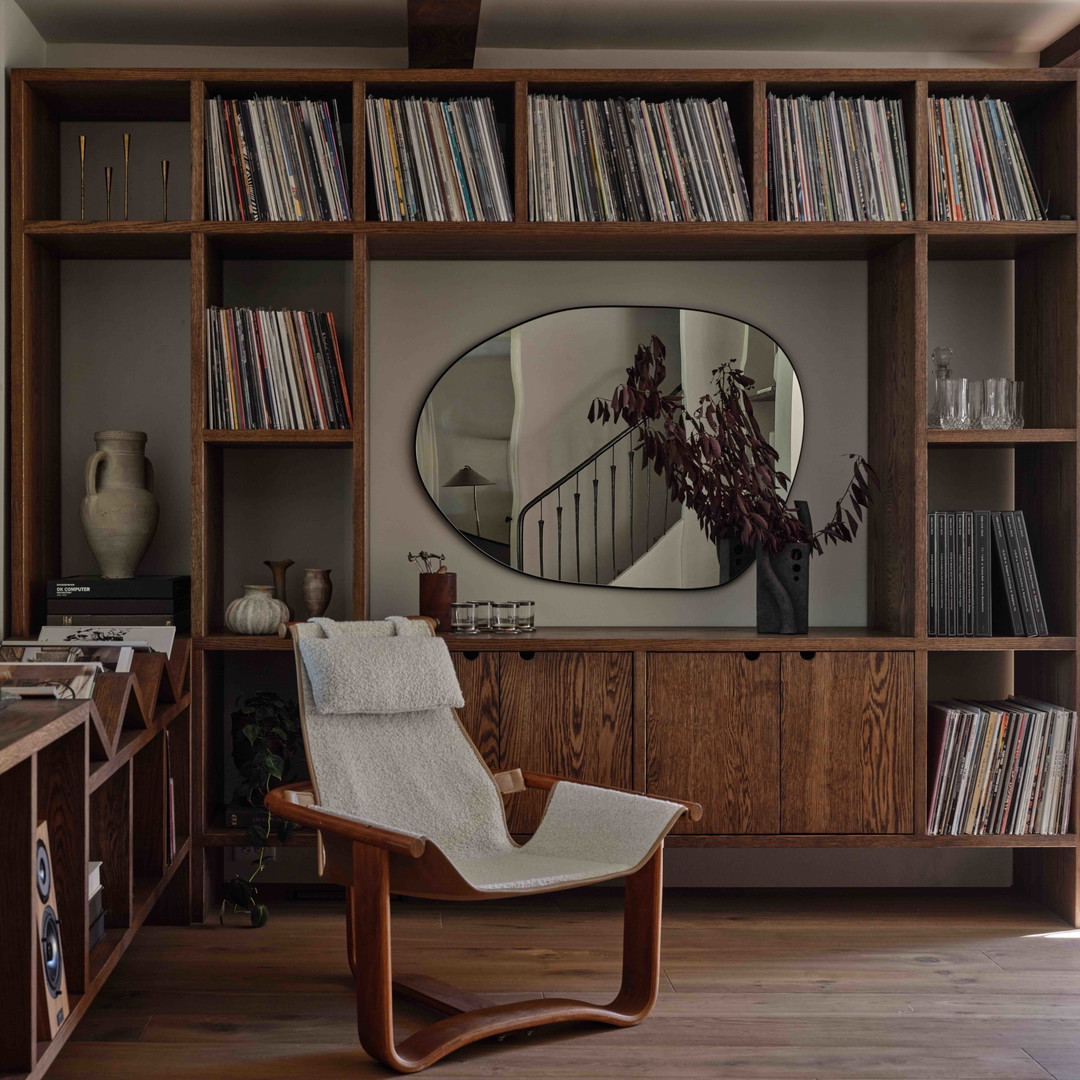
x: 1000, y: 644
x: 224, y: 641
x: 860, y: 840
x: 544, y: 240
x: 133, y: 740
x: 279, y: 439
x: 1010, y: 437
x: 226, y: 836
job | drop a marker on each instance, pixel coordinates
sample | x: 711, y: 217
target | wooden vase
x: 318, y: 588
x: 437, y: 593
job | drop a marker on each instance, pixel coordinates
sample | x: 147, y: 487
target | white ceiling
x: 800, y: 25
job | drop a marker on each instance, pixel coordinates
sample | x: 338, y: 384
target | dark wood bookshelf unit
x: 896, y: 255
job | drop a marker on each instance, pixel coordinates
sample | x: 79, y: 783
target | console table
x: 802, y: 741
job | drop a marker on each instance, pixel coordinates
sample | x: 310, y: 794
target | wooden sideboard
x: 780, y: 743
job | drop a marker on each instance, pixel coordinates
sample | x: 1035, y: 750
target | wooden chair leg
x: 369, y: 952
x: 350, y: 931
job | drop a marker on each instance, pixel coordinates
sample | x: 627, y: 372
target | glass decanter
x: 941, y: 358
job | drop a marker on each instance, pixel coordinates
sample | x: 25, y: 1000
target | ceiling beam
x: 442, y: 33
x: 1065, y: 52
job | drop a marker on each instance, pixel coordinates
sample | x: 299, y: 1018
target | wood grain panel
x: 361, y: 286
x: 198, y: 150
x: 478, y: 674
x: 442, y: 33
x: 846, y: 743
x: 111, y: 844
x: 148, y: 810
x: 713, y: 736
x: 18, y: 955
x: 61, y: 802
x: 897, y: 450
x: 565, y: 713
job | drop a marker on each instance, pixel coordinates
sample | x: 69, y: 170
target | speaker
x: 52, y: 983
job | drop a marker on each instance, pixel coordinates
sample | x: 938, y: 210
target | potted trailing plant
x: 268, y: 745
x: 715, y: 461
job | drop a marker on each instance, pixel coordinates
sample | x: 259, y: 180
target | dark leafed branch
x: 442, y: 33
x: 1065, y: 52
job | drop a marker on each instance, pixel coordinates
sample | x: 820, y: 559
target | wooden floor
x: 771, y: 986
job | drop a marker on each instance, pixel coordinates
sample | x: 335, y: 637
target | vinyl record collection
x: 1000, y: 767
x: 982, y: 579
x: 978, y: 168
x: 269, y: 159
x: 437, y: 160
x: 837, y: 159
x: 626, y: 159
x: 274, y: 370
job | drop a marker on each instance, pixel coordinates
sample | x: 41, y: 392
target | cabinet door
x: 846, y: 733
x: 568, y: 713
x: 712, y: 723
x: 478, y: 673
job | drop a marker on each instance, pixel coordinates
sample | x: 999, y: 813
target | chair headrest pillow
x: 380, y: 675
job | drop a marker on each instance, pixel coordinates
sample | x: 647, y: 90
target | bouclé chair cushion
x: 380, y: 675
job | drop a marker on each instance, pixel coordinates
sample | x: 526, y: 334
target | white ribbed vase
x: 256, y: 612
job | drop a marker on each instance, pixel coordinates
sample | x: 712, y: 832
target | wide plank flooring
x: 784, y: 985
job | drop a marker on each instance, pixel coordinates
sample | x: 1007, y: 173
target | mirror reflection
x: 505, y: 449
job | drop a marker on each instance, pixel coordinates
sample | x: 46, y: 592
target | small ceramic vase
x: 318, y: 588
x: 256, y: 612
x: 278, y: 568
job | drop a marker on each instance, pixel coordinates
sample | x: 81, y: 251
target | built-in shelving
x: 896, y: 255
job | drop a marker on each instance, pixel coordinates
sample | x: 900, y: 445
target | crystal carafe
x: 941, y: 358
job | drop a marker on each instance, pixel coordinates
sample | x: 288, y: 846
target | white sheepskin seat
x: 418, y: 773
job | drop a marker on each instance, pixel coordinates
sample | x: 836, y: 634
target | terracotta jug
x: 120, y: 513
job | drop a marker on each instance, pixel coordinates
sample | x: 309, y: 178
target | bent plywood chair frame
x: 373, y: 861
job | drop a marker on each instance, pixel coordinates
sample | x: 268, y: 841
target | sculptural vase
x: 278, y: 568
x: 318, y: 588
x: 120, y: 512
x: 256, y: 612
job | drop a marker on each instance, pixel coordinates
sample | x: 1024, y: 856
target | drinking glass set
x: 501, y: 616
x: 979, y: 404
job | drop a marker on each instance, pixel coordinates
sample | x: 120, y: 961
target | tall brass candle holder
x: 127, y: 159
x: 108, y: 193
x: 82, y: 177
x: 165, y: 191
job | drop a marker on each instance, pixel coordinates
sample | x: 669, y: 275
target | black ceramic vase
x: 783, y: 586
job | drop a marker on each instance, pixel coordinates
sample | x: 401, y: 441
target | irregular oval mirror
x: 506, y: 450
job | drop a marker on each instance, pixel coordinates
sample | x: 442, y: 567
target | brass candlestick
x: 127, y: 157
x: 165, y: 191
x: 82, y: 177
x: 108, y: 193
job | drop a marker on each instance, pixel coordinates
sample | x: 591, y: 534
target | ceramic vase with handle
x: 120, y: 512
x: 256, y: 612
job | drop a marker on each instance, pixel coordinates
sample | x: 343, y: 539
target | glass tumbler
x: 954, y: 404
x: 482, y: 609
x: 504, y: 617
x: 996, y: 405
x: 975, y: 403
x: 463, y: 618
x: 1015, y: 398
x: 526, y: 615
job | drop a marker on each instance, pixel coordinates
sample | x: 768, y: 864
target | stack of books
x: 978, y: 168
x: 633, y: 160
x: 1000, y: 767
x: 268, y: 159
x: 437, y: 160
x: 147, y: 600
x: 837, y: 159
x: 274, y: 370
x: 981, y: 576
x: 97, y: 904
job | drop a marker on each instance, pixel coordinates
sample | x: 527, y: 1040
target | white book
x: 158, y: 638
x: 93, y: 878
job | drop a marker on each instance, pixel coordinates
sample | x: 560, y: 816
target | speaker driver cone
x: 44, y: 872
x: 50, y: 951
